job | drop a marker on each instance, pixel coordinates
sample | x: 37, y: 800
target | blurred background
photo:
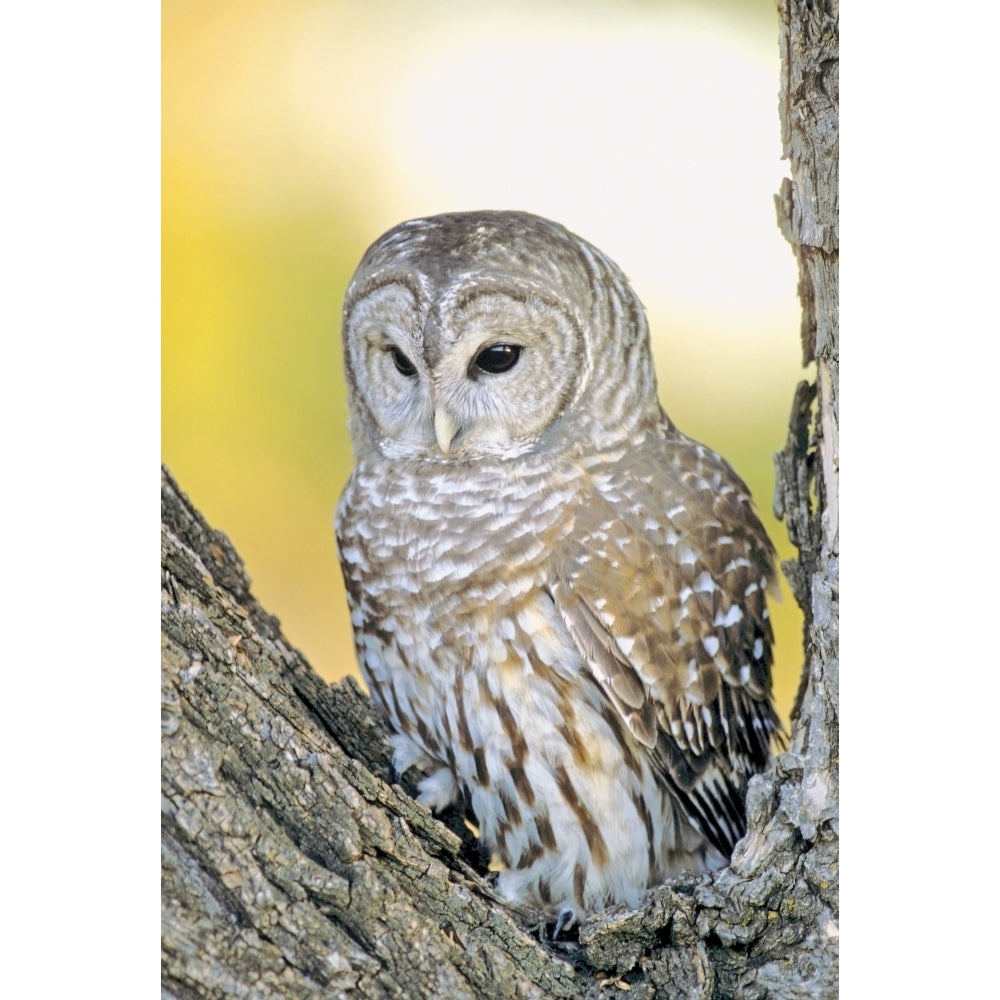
x: 295, y: 132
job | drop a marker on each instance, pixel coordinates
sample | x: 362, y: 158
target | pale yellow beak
x: 445, y: 429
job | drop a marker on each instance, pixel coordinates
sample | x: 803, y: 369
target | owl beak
x: 445, y: 429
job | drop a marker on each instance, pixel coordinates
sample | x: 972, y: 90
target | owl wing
x: 663, y: 591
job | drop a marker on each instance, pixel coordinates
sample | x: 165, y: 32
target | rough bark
x: 293, y: 867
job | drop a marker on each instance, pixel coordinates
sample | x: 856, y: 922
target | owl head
x: 493, y: 334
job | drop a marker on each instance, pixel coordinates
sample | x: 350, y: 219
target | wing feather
x: 662, y: 588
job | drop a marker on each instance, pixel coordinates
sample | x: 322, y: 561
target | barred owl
x: 558, y: 598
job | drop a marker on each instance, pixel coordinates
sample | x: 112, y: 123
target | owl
x: 558, y: 599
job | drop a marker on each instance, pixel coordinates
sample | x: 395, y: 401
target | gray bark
x: 293, y: 867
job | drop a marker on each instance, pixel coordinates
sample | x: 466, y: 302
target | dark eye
x: 403, y: 364
x: 497, y: 358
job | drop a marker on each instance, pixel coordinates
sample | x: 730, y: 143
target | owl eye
x: 403, y: 364
x: 497, y: 358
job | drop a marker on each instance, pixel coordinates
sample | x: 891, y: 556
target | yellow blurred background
x: 297, y: 131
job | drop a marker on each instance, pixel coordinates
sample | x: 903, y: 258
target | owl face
x: 485, y: 372
x: 479, y: 334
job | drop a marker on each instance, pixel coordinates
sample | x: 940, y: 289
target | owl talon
x: 566, y: 920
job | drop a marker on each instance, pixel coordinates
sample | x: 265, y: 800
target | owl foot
x: 566, y: 920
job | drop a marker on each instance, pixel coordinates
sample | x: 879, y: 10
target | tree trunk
x: 292, y: 867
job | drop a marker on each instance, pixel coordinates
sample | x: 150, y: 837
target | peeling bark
x: 293, y: 867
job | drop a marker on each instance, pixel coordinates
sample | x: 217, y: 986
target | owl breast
x: 464, y: 649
